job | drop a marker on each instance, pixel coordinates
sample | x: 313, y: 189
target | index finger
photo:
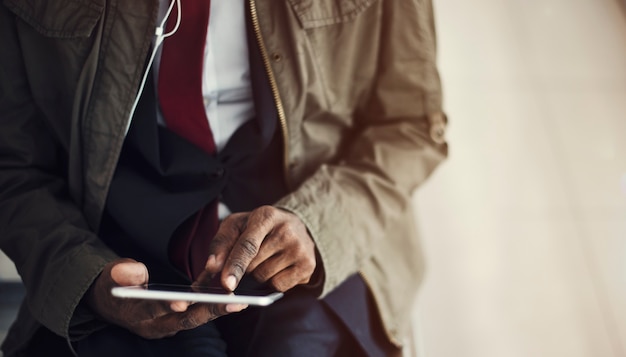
x: 259, y: 224
x: 221, y: 245
x: 170, y: 324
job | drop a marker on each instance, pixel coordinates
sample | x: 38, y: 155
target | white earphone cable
x: 160, y: 36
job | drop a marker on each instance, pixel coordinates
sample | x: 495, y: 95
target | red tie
x: 182, y: 105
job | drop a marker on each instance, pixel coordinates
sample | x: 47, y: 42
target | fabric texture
x: 203, y: 341
x: 355, y: 123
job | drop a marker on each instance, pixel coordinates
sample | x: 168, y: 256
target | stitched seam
x: 331, y: 20
x: 36, y: 24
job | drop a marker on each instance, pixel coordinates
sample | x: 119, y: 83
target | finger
x: 259, y: 224
x: 208, y: 276
x: 212, y: 265
x: 179, y: 306
x: 223, y: 241
x: 127, y: 273
x: 289, y: 278
x: 168, y: 325
x: 270, y: 247
x: 231, y: 308
x: 295, y: 250
x: 288, y: 236
x: 145, y: 310
x: 272, y: 266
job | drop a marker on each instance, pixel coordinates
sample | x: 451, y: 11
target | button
x: 438, y: 134
x: 277, y: 57
x: 438, y: 128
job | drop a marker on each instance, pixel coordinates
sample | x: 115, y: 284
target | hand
x: 146, y: 318
x: 271, y: 244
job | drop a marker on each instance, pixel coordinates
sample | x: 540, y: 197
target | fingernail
x: 179, y: 306
x: 219, y: 262
x: 211, y: 261
x: 231, y: 282
x: 235, y: 307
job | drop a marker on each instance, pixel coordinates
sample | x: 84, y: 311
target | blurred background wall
x: 525, y: 225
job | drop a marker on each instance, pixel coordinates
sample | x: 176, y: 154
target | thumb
x: 129, y: 273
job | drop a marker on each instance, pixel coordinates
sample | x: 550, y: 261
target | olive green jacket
x: 358, y: 96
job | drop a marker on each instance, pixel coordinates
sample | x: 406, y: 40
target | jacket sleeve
x: 397, y: 142
x: 41, y: 229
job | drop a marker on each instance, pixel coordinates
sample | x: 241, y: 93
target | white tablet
x: 195, y: 294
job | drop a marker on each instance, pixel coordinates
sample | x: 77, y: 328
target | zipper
x: 274, y: 87
x: 391, y: 338
x: 283, y: 123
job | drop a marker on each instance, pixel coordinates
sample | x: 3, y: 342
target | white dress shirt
x: 226, y: 86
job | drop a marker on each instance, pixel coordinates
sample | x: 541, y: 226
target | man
x: 316, y: 140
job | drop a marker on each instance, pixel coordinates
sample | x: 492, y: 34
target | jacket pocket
x: 59, y: 18
x: 318, y: 13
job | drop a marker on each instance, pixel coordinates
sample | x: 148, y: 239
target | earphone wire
x: 160, y: 36
x: 167, y: 15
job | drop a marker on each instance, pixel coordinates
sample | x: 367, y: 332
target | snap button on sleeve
x: 437, y: 127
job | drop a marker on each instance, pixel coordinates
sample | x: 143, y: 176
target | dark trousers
x: 116, y: 341
x: 298, y: 325
x: 345, y: 323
